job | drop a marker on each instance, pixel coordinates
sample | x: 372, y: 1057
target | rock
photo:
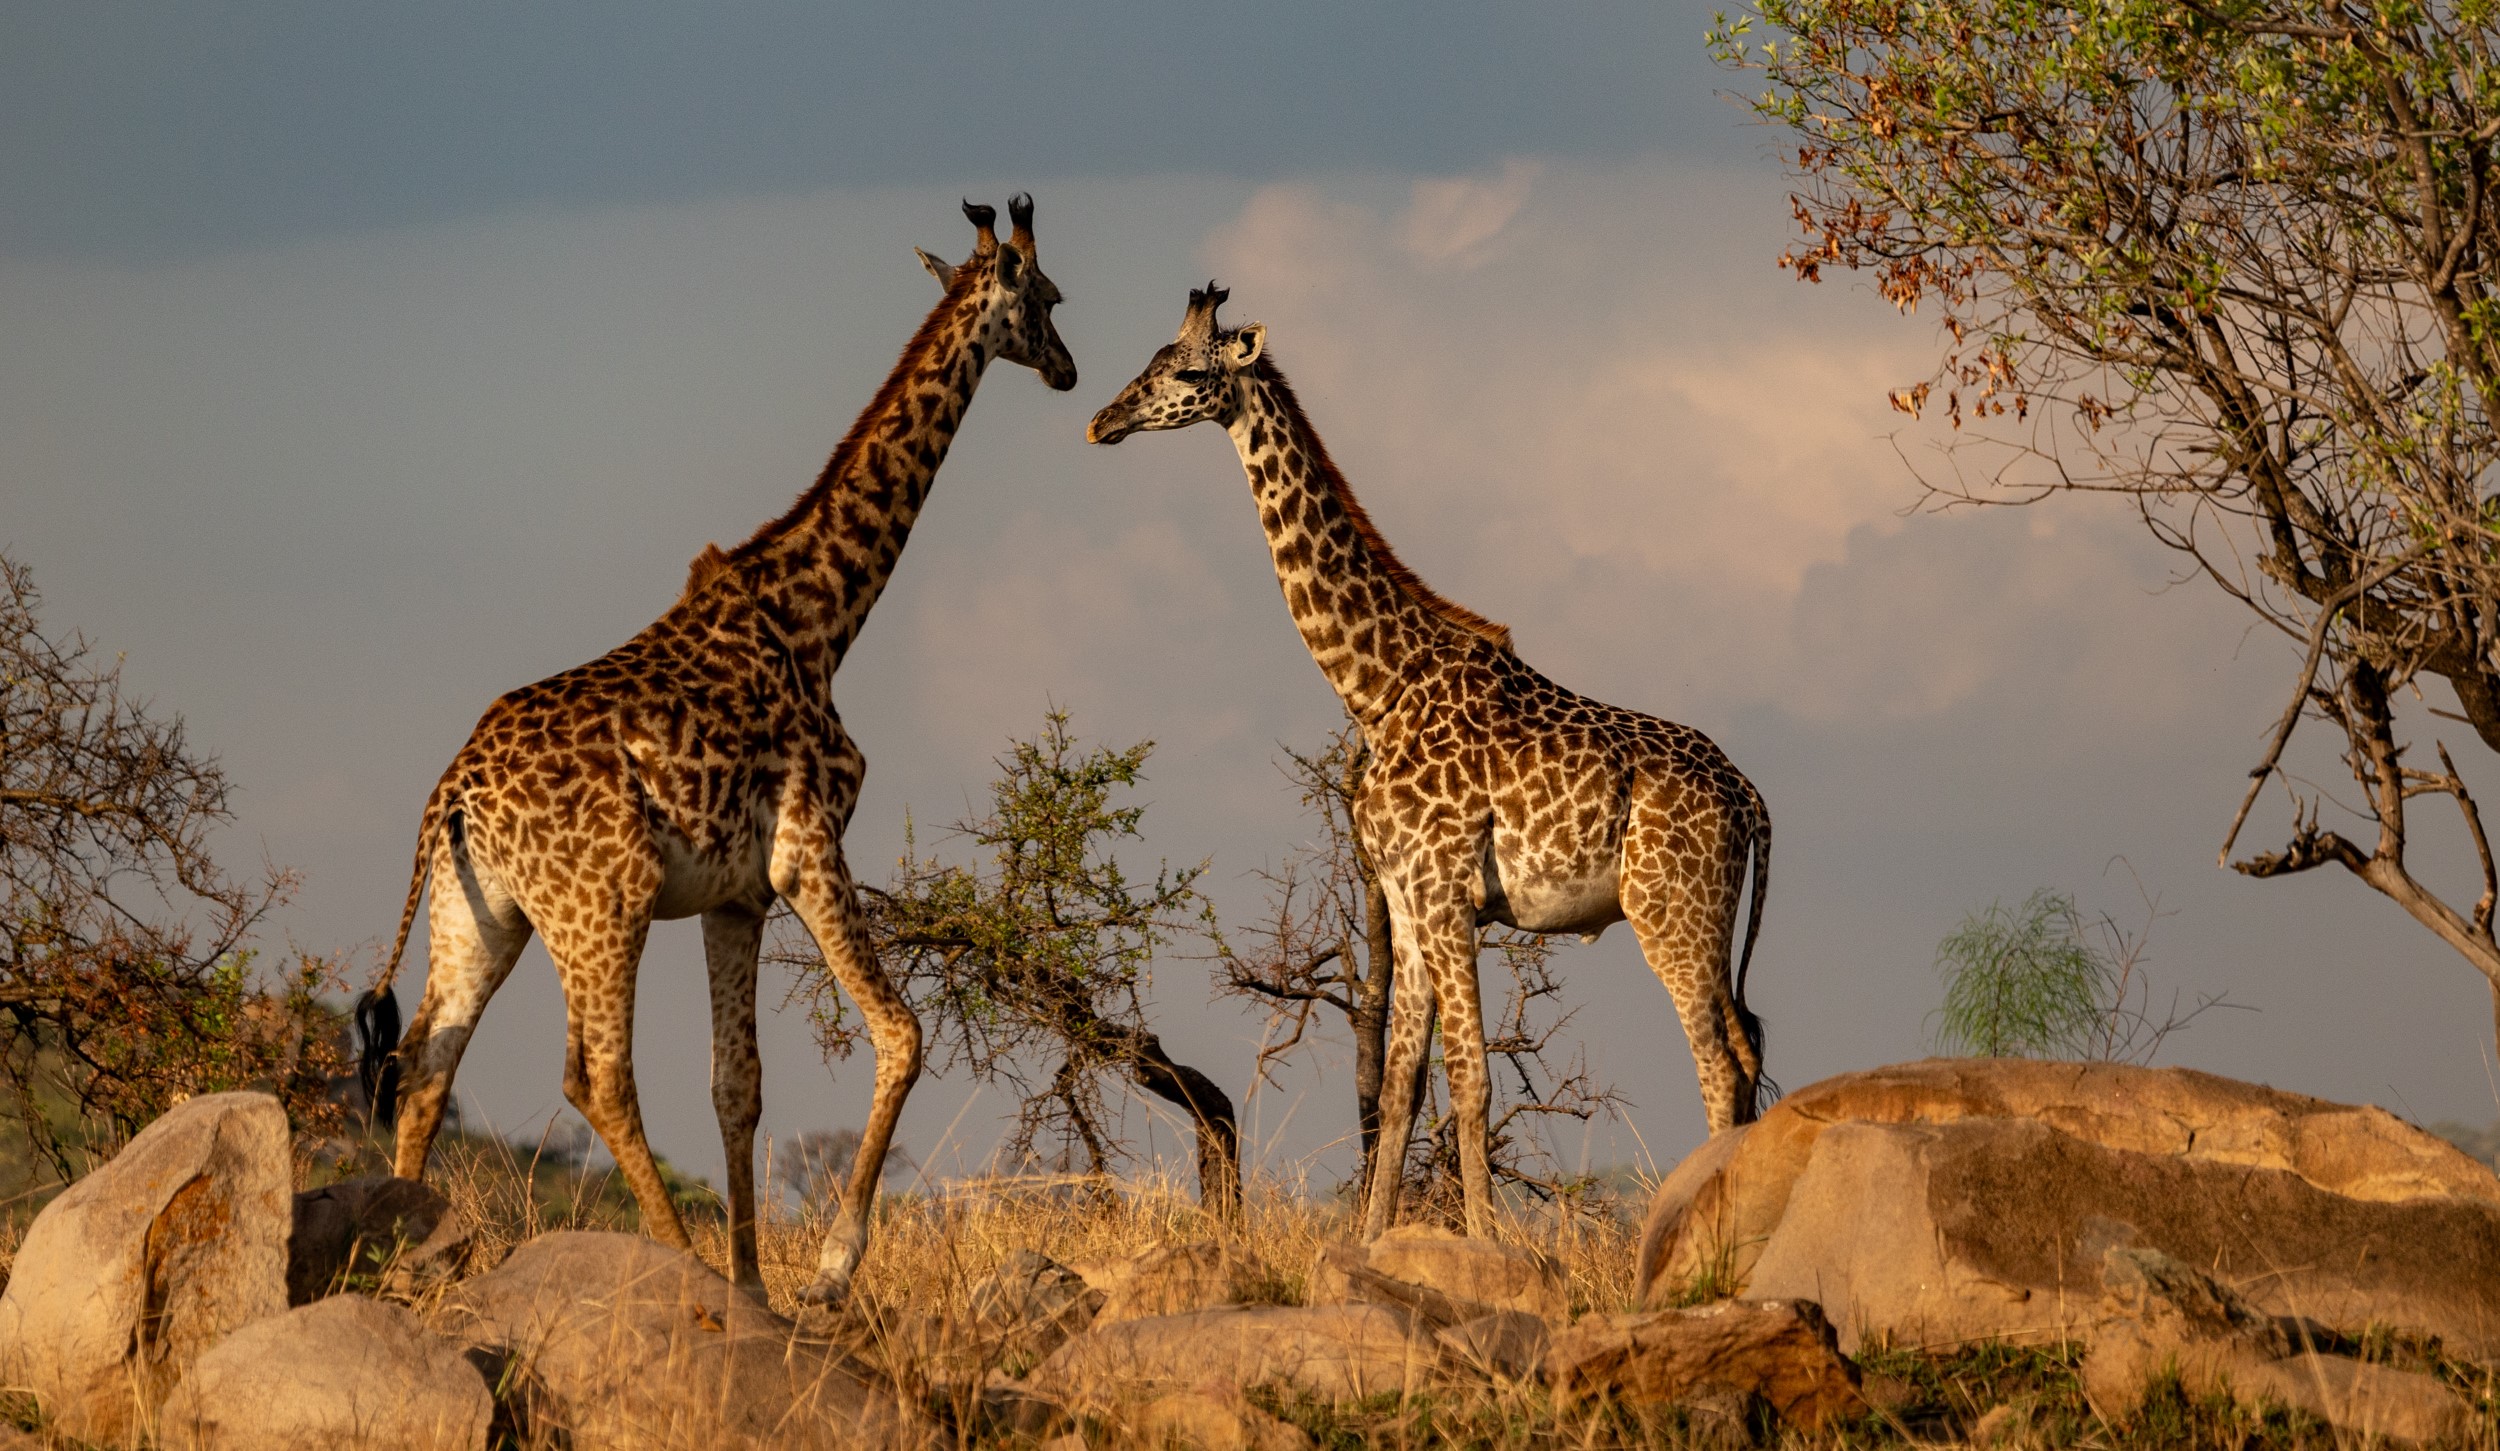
x: 1167, y: 1280
x: 611, y: 1341
x: 1214, y: 1419
x: 375, y: 1232
x: 1952, y: 1200
x: 1475, y: 1276
x: 2157, y: 1313
x: 344, y: 1371
x: 2160, y: 1316
x: 1779, y: 1350
x: 136, y: 1269
x: 1335, y: 1352
x: 1006, y: 1411
x: 2369, y: 1401
x: 1505, y: 1345
x: 1030, y: 1303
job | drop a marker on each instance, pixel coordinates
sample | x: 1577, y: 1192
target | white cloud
x: 1621, y: 382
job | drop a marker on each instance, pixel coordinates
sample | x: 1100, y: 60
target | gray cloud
x: 156, y: 130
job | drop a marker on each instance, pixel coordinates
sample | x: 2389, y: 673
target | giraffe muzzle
x: 1108, y: 428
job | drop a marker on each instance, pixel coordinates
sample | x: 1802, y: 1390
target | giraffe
x: 1493, y: 794
x: 700, y: 768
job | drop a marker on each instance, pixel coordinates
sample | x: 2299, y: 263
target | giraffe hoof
x: 827, y: 1293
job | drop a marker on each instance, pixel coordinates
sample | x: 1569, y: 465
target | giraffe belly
x: 694, y: 881
x: 1583, y: 898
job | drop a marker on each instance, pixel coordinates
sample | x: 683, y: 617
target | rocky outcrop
x: 1778, y: 1352
x: 378, y: 1232
x: 1335, y: 1352
x: 342, y: 1372
x: 1463, y: 1278
x: 1169, y: 1279
x: 1505, y: 1345
x: 1953, y: 1200
x: 613, y: 1342
x: 136, y: 1269
x: 1031, y: 1303
x: 2160, y: 1317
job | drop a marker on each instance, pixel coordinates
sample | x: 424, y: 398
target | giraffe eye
x: 1190, y: 375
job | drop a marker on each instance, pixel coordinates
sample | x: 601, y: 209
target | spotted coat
x: 700, y: 768
x: 1493, y: 794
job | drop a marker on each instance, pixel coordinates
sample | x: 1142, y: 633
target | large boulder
x: 137, y: 1268
x: 1465, y: 1278
x: 1780, y: 1352
x: 1334, y: 1352
x: 1952, y: 1200
x: 613, y: 1342
x: 345, y: 1371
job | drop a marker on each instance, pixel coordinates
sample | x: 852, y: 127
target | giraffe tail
x: 1765, y: 1092
x: 377, y: 1010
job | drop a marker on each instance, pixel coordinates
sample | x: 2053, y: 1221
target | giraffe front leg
x: 1401, y: 1080
x: 828, y: 904
x: 732, y: 938
x: 1447, y: 944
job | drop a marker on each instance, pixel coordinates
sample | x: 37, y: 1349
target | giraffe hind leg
x: 596, y: 955
x: 472, y: 941
x: 1682, y: 906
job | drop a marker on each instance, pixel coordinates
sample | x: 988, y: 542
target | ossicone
x: 1198, y: 324
x: 1020, y: 214
x: 985, y: 221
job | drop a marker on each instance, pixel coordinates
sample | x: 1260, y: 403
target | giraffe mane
x: 710, y: 565
x: 1398, y: 571
x: 714, y: 560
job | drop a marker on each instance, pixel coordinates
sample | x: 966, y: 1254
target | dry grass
x: 931, y: 1247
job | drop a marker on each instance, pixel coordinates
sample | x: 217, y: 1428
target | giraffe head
x: 1011, y: 296
x: 1194, y: 377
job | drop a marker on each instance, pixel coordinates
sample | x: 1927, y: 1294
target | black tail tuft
x: 377, y: 1057
x: 1765, y: 1091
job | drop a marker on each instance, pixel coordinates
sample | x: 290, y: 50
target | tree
x: 1326, y: 943
x: 1032, y: 970
x: 2232, y: 260
x: 817, y: 1164
x: 126, y: 983
x: 1326, y: 940
x: 2042, y: 981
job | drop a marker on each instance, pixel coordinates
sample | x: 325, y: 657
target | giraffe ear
x: 1246, y: 345
x: 1010, y: 268
x: 937, y: 269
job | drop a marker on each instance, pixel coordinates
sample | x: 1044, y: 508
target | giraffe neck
x: 818, y: 569
x: 1350, y: 598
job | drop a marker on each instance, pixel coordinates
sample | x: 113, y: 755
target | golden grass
x: 932, y: 1246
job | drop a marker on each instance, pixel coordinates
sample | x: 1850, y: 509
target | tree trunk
x: 1210, y: 1108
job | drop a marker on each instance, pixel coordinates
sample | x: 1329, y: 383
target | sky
x: 364, y: 363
